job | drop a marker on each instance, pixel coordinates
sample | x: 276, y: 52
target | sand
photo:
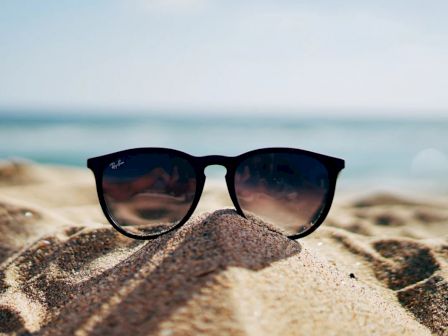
x: 377, y: 266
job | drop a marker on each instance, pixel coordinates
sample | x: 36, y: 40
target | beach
x: 378, y: 265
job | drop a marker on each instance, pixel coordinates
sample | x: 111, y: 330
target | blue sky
x: 380, y: 56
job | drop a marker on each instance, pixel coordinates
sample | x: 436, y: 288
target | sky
x: 351, y: 57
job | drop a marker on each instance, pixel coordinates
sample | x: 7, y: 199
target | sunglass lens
x: 287, y: 190
x: 148, y: 194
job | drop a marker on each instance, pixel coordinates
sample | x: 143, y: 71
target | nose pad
x: 214, y: 195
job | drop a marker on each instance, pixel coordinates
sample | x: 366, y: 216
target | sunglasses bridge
x: 211, y: 160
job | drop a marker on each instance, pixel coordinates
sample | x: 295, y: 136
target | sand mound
x: 62, y: 272
x: 218, y: 273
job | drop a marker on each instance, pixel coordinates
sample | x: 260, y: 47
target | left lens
x: 288, y: 190
x: 149, y: 193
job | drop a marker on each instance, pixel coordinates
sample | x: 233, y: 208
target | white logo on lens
x: 116, y: 164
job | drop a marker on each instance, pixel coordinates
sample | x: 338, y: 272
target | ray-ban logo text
x: 116, y: 164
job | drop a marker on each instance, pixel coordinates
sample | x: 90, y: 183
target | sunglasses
x: 146, y: 192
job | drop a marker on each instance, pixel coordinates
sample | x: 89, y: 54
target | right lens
x: 148, y: 193
x: 288, y: 190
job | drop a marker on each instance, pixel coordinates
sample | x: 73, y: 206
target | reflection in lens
x: 284, y: 189
x: 148, y: 194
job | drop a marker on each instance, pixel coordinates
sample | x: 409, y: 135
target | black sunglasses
x: 146, y: 192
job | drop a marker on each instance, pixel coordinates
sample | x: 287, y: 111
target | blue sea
x: 380, y: 153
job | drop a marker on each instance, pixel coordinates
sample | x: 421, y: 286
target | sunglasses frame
x: 199, y: 163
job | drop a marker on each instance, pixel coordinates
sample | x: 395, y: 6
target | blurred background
x: 364, y: 81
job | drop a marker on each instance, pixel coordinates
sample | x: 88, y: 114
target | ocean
x: 380, y: 153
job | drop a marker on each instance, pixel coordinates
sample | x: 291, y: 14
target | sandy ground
x: 377, y: 266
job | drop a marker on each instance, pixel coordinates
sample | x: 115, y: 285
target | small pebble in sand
x: 352, y: 276
x: 28, y: 214
x: 42, y: 244
x: 167, y: 332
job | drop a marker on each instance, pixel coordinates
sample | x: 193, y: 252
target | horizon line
x: 210, y: 112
